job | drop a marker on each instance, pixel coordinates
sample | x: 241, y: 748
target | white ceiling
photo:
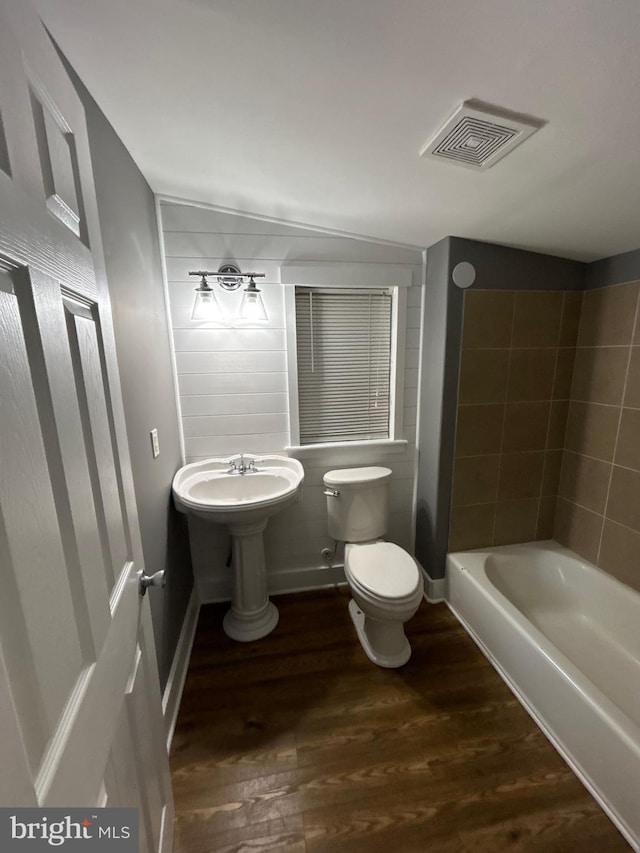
x: 315, y: 111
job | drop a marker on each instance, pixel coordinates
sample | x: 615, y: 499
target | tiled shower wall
x: 518, y: 350
x: 598, y: 513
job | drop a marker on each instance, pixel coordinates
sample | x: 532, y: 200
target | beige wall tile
x: 607, y: 316
x: 483, y: 376
x: 584, y: 481
x: 536, y: 321
x: 525, y: 426
x: 591, y: 429
x: 623, y: 505
x: 475, y: 480
x: 628, y: 447
x: 471, y: 527
x: 599, y: 374
x: 531, y: 373
x: 620, y: 554
x: 571, y: 309
x: 520, y: 475
x: 516, y: 521
x: 546, y: 517
x: 557, y: 424
x: 564, y: 374
x: 632, y: 391
x: 488, y: 317
x: 578, y: 529
x: 479, y: 430
x: 551, y: 475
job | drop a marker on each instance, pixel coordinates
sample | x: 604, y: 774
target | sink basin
x: 244, y: 503
x: 208, y: 489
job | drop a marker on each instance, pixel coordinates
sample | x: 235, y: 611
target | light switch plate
x: 155, y: 444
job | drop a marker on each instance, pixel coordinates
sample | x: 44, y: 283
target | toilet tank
x: 357, y: 503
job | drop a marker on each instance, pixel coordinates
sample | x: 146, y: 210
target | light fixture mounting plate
x: 229, y: 277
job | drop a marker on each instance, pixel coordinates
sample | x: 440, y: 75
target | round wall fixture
x: 464, y: 274
x: 229, y: 277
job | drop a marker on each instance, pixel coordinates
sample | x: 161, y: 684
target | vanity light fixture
x: 206, y: 306
x: 252, y: 308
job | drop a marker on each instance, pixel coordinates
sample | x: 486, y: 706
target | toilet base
x: 396, y: 650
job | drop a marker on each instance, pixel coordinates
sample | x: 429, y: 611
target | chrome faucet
x: 241, y: 467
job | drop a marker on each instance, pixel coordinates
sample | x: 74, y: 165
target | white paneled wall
x: 233, y: 384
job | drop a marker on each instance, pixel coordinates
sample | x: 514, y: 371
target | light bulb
x: 252, y: 308
x: 206, y: 307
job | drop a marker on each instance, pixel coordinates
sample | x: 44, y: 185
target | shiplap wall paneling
x: 233, y: 383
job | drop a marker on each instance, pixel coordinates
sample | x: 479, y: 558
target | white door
x: 80, y: 714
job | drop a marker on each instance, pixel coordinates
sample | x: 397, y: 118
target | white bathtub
x: 566, y: 638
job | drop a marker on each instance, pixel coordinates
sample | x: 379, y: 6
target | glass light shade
x: 206, y: 307
x: 252, y: 308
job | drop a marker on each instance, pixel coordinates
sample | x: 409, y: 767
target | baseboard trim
x: 299, y: 580
x: 178, y: 672
x: 278, y: 583
x: 434, y: 588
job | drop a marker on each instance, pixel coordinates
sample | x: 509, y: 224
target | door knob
x: 156, y: 579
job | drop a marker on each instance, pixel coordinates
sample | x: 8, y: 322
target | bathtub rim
x: 556, y: 657
x: 564, y: 668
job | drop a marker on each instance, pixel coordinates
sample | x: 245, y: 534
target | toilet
x: 385, y: 581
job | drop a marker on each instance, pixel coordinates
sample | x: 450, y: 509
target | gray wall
x: 126, y: 207
x: 614, y: 270
x: 503, y: 268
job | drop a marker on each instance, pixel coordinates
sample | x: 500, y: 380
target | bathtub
x: 565, y: 637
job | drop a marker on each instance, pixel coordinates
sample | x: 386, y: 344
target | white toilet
x: 385, y: 581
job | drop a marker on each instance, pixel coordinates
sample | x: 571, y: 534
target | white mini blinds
x: 344, y: 363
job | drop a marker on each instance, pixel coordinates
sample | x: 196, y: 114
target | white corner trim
x: 434, y: 589
x: 178, y: 673
x: 167, y: 308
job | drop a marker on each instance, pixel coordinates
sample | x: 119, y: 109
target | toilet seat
x: 383, y: 571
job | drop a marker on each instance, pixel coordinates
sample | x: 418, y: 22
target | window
x: 344, y: 363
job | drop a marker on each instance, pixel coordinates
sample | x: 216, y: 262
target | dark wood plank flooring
x: 297, y: 742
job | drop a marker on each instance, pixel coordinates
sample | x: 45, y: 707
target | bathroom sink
x: 242, y: 493
x: 213, y: 491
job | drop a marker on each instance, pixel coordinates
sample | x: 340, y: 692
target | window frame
x: 397, y: 364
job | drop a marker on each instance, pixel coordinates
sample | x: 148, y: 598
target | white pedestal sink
x: 242, y: 493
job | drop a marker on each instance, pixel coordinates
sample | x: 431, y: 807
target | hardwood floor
x: 297, y: 742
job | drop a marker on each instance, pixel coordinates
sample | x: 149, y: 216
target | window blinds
x: 344, y: 364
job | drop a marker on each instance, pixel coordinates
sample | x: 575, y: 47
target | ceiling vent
x: 478, y: 135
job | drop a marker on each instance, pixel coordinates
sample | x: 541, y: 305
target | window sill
x: 387, y: 446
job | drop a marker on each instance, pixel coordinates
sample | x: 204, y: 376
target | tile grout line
x: 504, y: 418
x: 559, y: 400
x: 604, y: 461
x: 599, y: 514
x: 455, y: 426
x: 553, y: 386
x: 622, y: 406
x: 520, y: 349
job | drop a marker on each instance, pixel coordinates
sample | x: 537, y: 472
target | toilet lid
x: 384, y: 569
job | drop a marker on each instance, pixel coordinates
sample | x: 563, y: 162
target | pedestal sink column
x: 252, y: 615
